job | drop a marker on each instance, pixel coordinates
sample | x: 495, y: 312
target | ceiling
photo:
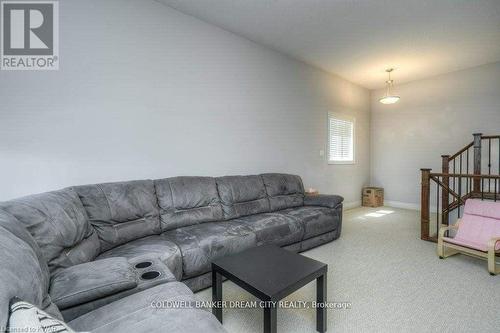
x: 358, y: 39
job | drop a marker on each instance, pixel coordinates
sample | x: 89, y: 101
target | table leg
x: 270, y: 318
x: 321, y: 298
x: 217, y: 294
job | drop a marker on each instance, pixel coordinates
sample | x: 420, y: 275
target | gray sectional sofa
x: 99, y: 256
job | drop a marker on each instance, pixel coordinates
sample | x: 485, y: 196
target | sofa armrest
x: 324, y: 200
x: 444, y: 228
x: 492, y: 243
x: 92, y: 280
x: 492, y: 253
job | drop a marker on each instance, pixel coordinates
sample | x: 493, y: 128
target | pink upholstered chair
x: 478, y: 233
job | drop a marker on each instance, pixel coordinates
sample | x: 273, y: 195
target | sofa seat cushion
x: 148, y: 248
x: 152, y: 310
x: 284, y: 190
x: 202, y: 243
x: 58, y: 223
x: 186, y: 201
x: 316, y: 220
x: 121, y: 211
x: 242, y: 196
x: 467, y: 243
x: 90, y: 281
x: 277, y: 229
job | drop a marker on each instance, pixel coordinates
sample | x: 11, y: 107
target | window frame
x: 345, y: 117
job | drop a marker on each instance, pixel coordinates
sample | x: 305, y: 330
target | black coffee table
x: 270, y: 273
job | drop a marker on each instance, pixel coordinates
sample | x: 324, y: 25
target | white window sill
x: 341, y: 162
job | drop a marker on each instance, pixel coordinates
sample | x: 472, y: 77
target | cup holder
x: 150, y: 275
x: 143, y: 264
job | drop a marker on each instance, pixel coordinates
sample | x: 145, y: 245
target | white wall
x: 434, y: 117
x: 144, y: 91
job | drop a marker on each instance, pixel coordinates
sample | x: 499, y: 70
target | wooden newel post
x: 477, y: 161
x: 425, y: 204
x: 445, y: 195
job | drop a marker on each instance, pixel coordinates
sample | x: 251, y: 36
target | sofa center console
x: 151, y: 271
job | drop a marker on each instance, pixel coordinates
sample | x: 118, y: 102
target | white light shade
x: 389, y: 99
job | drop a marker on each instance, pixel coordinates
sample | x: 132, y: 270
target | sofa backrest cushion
x: 284, y: 190
x: 242, y: 195
x: 186, y: 201
x: 59, y: 224
x: 22, y: 274
x: 121, y: 211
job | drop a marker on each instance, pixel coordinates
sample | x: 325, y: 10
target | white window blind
x: 341, y: 139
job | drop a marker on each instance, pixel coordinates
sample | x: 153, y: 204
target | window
x: 340, y: 139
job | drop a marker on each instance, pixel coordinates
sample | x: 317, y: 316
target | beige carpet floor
x: 393, y: 280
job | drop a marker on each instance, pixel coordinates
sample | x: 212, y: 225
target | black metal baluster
x: 470, y: 185
x: 467, y: 153
x: 495, y: 190
x: 460, y: 171
x: 467, y: 179
x: 460, y: 168
x: 489, y: 156
x: 489, y: 164
x: 437, y: 203
x: 467, y: 186
x: 482, y: 188
x: 454, y: 172
x: 459, y: 195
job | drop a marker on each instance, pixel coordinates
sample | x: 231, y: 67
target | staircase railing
x: 462, y: 177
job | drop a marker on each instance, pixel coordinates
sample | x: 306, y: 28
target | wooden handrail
x: 463, y: 175
x: 471, y: 144
x: 486, y: 137
x: 452, y: 157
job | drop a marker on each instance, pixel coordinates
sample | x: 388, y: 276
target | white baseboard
x: 407, y: 205
x: 400, y: 204
x: 395, y: 204
x: 352, y: 204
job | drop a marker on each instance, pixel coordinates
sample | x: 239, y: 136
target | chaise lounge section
x: 94, y: 254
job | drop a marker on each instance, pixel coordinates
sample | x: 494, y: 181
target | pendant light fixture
x: 389, y: 98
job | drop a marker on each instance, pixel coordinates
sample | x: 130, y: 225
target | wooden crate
x: 373, y: 197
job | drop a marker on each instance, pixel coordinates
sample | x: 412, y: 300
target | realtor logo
x: 30, y: 35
